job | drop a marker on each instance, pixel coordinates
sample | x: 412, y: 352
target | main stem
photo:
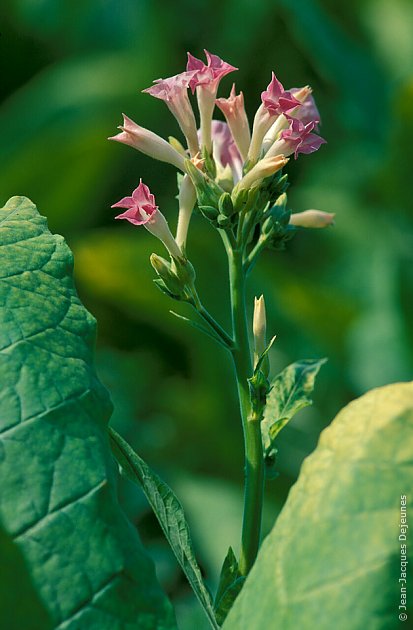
x: 254, y: 468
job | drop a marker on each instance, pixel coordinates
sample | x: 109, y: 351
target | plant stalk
x: 254, y: 463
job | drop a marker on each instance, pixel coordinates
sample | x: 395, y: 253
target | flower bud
x: 164, y: 270
x: 178, y: 146
x: 259, y: 328
x: 184, y: 270
x: 263, y: 168
x: 186, y: 199
x: 312, y: 219
x: 207, y: 191
x: 234, y: 112
x: 225, y: 205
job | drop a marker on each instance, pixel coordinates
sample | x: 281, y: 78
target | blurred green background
x: 69, y: 68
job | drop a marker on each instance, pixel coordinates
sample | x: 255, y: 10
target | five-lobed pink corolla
x: 209, y: 74
x: 141, y: 209
x: 298, y: 138
x: 276, y: 100
x: 140, y: 206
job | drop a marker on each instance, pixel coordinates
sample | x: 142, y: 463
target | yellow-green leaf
x: 333, y: 559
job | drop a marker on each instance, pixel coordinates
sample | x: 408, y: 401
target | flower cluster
x: 231, y: 170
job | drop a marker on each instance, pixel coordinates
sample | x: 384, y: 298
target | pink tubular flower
x: 306, y: 111
x: 148, y: 143
x: 236, y: 117
x: 296, y: 139
x: 141, y: 210
x: 174, y: 91
x: 205, y: 80
x: 275, y: 102
x: 207, y: 74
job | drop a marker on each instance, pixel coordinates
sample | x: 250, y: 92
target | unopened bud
x: 184, y: 270
x: 209, y: 212
x: 264, y: 168
x: 187, y: 199
x: 259, y: 327
x: 164, y: 270
x: 207, y: 191
x: 281, y: 201
x: 177, y: 146
x: 312, y: 219
x: 225, y: 205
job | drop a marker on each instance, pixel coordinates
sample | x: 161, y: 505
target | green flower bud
x: 207, y: 191
x: 184, y: 271
x: 223, y: 221
x: 170, y: 280
x: 209, y: 212
x: 225, y: 205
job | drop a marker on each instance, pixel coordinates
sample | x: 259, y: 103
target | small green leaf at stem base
x: 230, y: 584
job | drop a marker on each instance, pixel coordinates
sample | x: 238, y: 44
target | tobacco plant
x: 318, y: 567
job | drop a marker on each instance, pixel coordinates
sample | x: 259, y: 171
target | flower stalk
x: 235, y: 177
x: 254, y: 461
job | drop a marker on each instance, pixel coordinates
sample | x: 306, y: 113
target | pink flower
x: 308, y: 111
x: 148, y: 143
x: 140, y: 206
x: 300, y: 139
x: 297, y: 139
x: 236, y: 117
x: 207, y: 75
x: 276, y: 100
x: 142, y: 210
x: 174, y: 92
x: 205, y: 79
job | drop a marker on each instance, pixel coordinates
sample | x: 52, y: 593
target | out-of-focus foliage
x: 68, y: 71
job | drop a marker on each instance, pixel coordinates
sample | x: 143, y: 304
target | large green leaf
x: 58, y: 497
x: 333, y: 557
x: 170, y: 515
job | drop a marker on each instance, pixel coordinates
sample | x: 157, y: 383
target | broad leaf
x: 57, y: 477
x: 289, y: 393
x: 333, y: 559
x: 230, y: 584
x: 170, y: 515
x: 20, y: 605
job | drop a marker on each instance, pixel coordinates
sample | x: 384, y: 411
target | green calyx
x: 176, y: 278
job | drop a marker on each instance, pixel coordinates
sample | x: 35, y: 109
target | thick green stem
x: 254, y: 468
